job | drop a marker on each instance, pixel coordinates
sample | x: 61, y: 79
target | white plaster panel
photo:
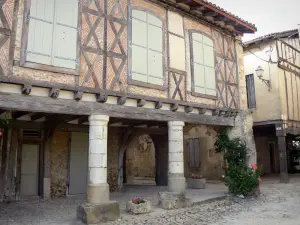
x: 98, y: 160
x: 149, y: 105
x: 10, y: 88
x: 37, y: 91
x: 88, y: 97
x: 177, y: 52
x: 165, y: 106
x: 66, y: 94
x: 97, y: 175
x: 112, y: 100
x: 180, y: 109
x: 176, y: 167
x: 175, y: 23
x: 131, y: 102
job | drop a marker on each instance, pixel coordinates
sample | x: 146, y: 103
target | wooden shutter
x: 40, y: 34
x: 65, y: 34
x: 251, y: 97
x: 203, y: 64
x: 147, y: 48
x: 139, y: 64
x: 155, y: 50
x: 194, y: 153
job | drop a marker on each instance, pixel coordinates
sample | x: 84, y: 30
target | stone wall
x: 210, y: 162
x: 59, y: 163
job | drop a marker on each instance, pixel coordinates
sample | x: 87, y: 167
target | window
x: 147, y: 48
x: 250, y: 91
x: 203, y: 64
x: 52, y: 35
x: 194, y: 152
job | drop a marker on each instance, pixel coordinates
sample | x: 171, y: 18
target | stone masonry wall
x: 210, y: 162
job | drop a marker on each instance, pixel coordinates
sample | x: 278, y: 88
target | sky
x: 269, y: 16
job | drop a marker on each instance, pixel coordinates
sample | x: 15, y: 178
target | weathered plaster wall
x: 59, y: 163
x: 140, y: 158
x: 210, y: 162
x: 268, y: 103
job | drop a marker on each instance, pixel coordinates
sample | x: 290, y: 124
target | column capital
x: 175, y: 123
x: 98, y: 117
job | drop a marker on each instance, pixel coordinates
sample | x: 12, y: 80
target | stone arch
x: 140, y: 160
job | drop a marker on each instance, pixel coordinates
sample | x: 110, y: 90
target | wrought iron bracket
x: 267, y: 82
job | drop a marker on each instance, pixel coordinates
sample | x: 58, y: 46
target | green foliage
x: 239, y: 178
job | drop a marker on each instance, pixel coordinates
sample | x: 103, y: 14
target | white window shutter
x: 155, y: 50
x: 65, y: 34
x: 39, y: 46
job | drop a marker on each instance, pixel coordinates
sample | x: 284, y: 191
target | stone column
x: 97, y: 188
x: 281, y: 138
x: 176, y: 179
x: 98, y: 207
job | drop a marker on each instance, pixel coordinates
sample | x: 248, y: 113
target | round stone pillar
x: 97, y: 188
x: 176, y: 179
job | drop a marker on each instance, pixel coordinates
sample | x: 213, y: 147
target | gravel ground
x: 278, y: 204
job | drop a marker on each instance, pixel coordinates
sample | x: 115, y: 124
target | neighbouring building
x: 104, y: 92
x: 272, y: 69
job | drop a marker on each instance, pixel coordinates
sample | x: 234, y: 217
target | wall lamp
x: 259, y: 73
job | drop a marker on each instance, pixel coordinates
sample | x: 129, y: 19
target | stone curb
x: 210, y: 200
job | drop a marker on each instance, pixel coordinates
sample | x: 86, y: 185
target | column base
x: 176, y: 183
x: 97, y: 193
x: 96, y: 213
x: 284, y: 178
x: 173, y: 200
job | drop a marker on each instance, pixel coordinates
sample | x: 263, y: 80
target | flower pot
x: 138, y: 208
x: 196, y: 183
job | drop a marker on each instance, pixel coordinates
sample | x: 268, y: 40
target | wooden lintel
x: 121, y: 100
x: 26, y: 89
x: 141, y: 102
x: 78, y: 95
x: 174, y: 107
x: 54, y: 92
x: 31, y: 103
x: 101, y: 97
x: 188, y: 109
x: 158, y: 105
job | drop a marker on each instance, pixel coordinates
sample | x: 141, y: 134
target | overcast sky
x: 269, y: 16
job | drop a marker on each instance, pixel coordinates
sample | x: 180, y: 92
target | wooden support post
x: 281, y: 138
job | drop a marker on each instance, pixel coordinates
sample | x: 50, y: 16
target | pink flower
x: 1, y: 133
x: 240, y: 142
x: 223, y: 176
x: 253, y: 166
x: 259, y: 179
x: 227, y: 166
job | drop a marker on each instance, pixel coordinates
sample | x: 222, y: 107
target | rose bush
x: 239, y: 177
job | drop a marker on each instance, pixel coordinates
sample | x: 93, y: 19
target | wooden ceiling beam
x: 37, y: 116
x: 83, y: 119
x: 16, y: 115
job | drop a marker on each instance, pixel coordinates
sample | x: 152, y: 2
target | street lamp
x: 259, y: 73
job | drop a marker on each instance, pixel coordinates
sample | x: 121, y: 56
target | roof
x: 213, y: 14
x: 272, y: 36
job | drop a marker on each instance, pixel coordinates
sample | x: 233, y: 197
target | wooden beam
x: 101, y: 97
x: 37, y: 116
x: 122, y: 100
x: 16, y: 115
x: 26, y: 89
x: 67, y: 106
x: 83, y: 119
x: 141, y: 102
x: 78, y: 95
x: 188, y: 109
x: 54, y: 92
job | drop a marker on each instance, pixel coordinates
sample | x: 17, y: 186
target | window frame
x: 193, y: 92
x: 131, y: 81
x: 44, y: 67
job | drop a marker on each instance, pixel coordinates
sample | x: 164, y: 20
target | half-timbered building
x: 272, y: 68
x: 99, y: 93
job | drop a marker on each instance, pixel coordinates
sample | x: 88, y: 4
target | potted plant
x: 138, y: 205
x: 196, y: 182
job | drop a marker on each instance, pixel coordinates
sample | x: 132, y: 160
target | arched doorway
x: 140, y: 166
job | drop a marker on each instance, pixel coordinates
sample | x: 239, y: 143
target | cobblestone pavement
x: 278, y: 204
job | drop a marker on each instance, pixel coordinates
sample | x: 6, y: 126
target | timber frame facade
x: 276, y: 116
x: 100, y: 92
